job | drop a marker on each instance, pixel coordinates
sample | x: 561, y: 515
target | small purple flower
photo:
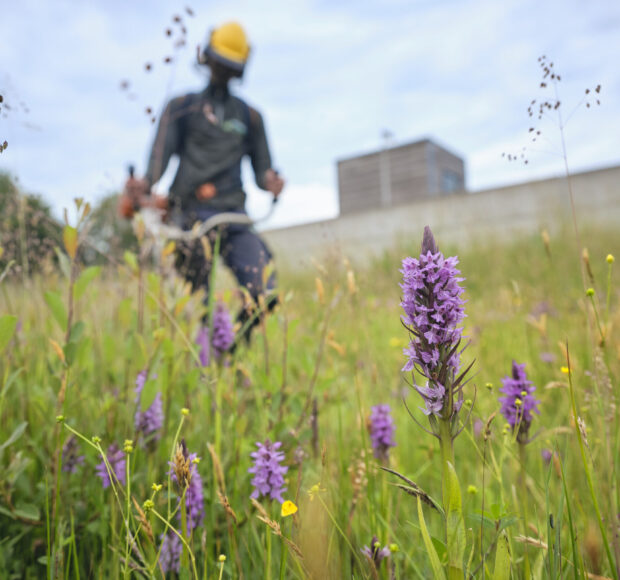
x: 375, y: 553
x: 70, y: 458
x: 433, y: 311
x: 547, y: 357
x: 116, y: 459
x: 268, y: 473
x: 150, y: 421
x: 478, y: 427
x: 519, y: 402
x: 170, y: 555
x: 546, y: 455
x: 381, y: 428
x: 202, y: 341
x: 140, y: 382
x: 194, y: 499
x: 223, y: 333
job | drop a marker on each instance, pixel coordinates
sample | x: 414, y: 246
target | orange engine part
x: 126, y: 206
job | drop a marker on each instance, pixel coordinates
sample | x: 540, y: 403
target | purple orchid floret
x: 150, y: 422
x: 268, y: 472
x: 194, y: 498
x: 116, y: 459
x: 140, y: 382
x: 381, y: 428
x: 375, y: 553
x: 433, y: 311
x: 223, y: 336
x: 223, y: 332
x: 70, y: 458
x: 202, y: 342
x: 170, y: 554
x: 519, y: 402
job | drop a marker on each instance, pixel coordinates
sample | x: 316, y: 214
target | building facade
x: 398, y: 175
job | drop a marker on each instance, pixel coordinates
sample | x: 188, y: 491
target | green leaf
x: 77, y: 330
x: 70, y: 239
x: 149, y: 392
x: 478, y: 519
x: 27, y: 510
x: 63, y: 261
x: 54, y: 301
x: 502, y: 558
x: 86, y: 277
x: 537, y: 569
x: 8, y: 324
x: 508, y: 521
x: 131, y: 260
x: 19, y: 431
x: 69, y: 350
x: 167, y: 347
x: 430, y: 549
x: 470, y: 534
x: 455, y: 525
x: 19, y: 463
x: 6, y: 512
x: 11, y: 381
x: 124, y: 312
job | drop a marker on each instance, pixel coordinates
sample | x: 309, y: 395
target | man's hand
x: 136, y: 188
x: 132, y: 197
x: 274, y: 183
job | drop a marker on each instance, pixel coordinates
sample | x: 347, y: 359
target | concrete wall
x: 492, y: 216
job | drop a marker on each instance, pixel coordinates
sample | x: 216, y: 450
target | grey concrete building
x: 398, y: 175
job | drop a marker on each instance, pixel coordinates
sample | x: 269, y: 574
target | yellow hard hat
x: 229, y: 45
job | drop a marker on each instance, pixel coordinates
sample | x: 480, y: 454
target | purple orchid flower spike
x: 433, y: 313
x: 519, y: 404
x: 268, y: 471
x: 381, y: 428
x: 116, y: 459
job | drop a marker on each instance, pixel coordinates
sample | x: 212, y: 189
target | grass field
x: 73, y: 345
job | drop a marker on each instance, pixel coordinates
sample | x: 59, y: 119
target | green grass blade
x: 430, y: 549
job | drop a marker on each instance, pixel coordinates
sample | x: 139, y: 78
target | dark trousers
x: 242, y: 250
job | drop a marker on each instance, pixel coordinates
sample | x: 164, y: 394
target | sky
x: 329, y: 78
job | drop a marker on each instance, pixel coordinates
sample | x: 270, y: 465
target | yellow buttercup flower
x: 288, y: 508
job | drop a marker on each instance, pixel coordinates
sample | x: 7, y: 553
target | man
x: 212, y: 132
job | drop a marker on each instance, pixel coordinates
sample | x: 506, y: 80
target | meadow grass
x: 332, y: 350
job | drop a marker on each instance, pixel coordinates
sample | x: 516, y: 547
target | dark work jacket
x: 211, y: 132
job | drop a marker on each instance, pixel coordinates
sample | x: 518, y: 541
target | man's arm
x: 266, y: 177
x: 167, y: 141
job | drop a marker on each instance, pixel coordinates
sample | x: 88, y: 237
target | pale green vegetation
x: 331, y: 351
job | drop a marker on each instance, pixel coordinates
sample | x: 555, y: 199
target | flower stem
x: 218, y: 413
x: 524, y: 500
x: 447, y: 456
x: 283, y: 557
x: 268, y: 561
x: 451, y: 497
x: 184, y: 555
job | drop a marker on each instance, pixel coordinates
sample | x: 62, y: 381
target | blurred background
x: 82, y: 81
